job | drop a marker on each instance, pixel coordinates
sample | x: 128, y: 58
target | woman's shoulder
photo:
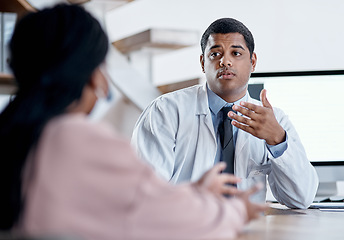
x: 76, y: 137
x: 77, y: 130
x: 78, y: 125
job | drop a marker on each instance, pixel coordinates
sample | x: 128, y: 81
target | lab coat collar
x: 202, y: 106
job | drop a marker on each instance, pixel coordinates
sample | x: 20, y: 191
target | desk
x: 295, y: 224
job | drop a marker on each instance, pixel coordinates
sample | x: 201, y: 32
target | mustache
x: 225, y: 71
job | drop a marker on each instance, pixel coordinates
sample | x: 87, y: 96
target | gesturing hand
x: 259, y: 121
x: 217, y: 182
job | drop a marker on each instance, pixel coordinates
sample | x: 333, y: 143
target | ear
x: 96, y: 85
x: 93, y: 81
x: 88, y: 98
x: 98, y: 81
x: 201, y: 60
x: 253, y: 61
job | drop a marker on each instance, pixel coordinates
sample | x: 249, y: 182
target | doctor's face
x: 227, y: 65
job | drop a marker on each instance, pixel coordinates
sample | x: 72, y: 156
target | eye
x: 214, y: 54
x: 236, y: 53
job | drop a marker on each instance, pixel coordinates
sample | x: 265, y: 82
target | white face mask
x: 100, y: 93
x: 104, y: 100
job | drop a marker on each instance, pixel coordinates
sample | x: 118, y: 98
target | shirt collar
x: 216, y: 103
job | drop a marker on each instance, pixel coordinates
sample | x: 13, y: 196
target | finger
x: 259, y: 208
x: 254, y: 189
x: 230, y: 190
x: 230, y: 178
x: 249, y: 106
x: 263, y: 207
x: 264, y: 99
x: 244, y: 111
x: 219, y: 167
x: 244, y: 127
x: 241, y: 119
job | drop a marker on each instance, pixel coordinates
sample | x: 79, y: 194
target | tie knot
x: 225, y: 111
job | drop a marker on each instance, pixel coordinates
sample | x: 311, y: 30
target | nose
x: 226, y: 61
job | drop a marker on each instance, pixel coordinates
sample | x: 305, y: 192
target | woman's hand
x: 218, y: 182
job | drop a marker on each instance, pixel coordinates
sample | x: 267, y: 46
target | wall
x: 290, y: 35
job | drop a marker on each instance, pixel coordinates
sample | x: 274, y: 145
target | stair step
x: 104, y: 5
x: 7, y: 83
x: 157, y: 38
x: 15, y: 6
x: 177, y: 85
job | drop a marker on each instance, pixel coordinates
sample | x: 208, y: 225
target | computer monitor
x: 314, y: 102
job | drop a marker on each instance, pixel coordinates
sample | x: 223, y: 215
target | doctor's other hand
x: 259, y: 121
x: 254, y: 210
x: 217, y: 182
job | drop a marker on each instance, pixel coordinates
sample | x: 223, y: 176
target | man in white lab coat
x: 178, y: 133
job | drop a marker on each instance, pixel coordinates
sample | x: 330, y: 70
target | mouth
x: 225, y: 74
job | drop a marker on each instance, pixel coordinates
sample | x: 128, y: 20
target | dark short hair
x: 228, y: 25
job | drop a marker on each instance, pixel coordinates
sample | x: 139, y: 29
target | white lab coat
x: 175, y: 134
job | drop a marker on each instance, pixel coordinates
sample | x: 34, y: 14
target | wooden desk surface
x: 292, y: 224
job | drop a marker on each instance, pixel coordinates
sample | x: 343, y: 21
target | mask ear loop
x: 107, y: 77
x: 100, y: 93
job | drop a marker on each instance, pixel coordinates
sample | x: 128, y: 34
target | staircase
x: 130, y: 62
x: 130, y: 65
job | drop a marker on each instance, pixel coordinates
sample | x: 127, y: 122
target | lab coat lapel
x: 205, y: 149
x: 243, y: 149
x: 203, y: 112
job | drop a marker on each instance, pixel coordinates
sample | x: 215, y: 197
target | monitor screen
x: 314, y: 102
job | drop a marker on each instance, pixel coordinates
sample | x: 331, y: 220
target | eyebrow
x: 215, y: 46
x: 233, y: 46
x: 238, y: 46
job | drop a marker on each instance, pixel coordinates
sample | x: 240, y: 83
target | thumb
x: 264, y: 99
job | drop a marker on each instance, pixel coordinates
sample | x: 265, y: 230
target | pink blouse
x: 85, y: 180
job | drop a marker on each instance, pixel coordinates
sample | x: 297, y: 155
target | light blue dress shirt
x: 216, y: 103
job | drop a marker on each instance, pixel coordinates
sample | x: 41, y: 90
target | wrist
x: 279, y: 138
